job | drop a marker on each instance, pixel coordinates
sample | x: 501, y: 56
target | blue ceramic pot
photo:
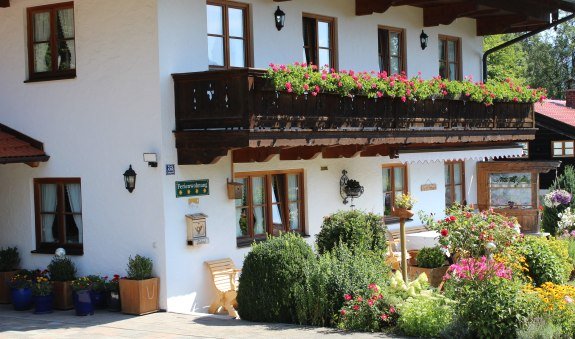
x: 21, y: 298
x: 98, y: 299
x: 43, y: 304
x: 83, y: 303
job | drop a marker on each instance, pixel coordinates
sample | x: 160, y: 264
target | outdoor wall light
x: 130, y: 179
x: 349, y: 188
x: 151, y: 159
x: 280, y: 18
x: 423, y: 40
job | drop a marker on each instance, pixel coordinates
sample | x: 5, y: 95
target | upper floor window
x: 271, y: 203
x: 391, y: 47
x: 454, y: 182
x: 394, y: 183
x: 58, y: 209
x: 228, y: 34
x: 563, y: 149
x: 525, y: 149
x: 450, y: 57
x: 319, y: 42
x: 51, y: 42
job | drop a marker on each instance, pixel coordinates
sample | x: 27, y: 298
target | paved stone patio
x: 104, y: 324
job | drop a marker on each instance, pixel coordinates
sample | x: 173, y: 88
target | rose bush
x: 367, y: 311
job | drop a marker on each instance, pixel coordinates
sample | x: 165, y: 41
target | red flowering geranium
x: 367, y: 311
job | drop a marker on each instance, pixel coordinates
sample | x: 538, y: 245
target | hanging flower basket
x: 402, y: 213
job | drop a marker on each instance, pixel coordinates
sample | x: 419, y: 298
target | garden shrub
x: 271, y: 275
x: 548, y: 260
x: 9, y: 259
x: 139, y: 268
x: 489, y: 303
x: 425, y: 316
x: 62, y: 268
x: 550, y: 218
x: 557, y: 304
x: 539, y: 328
x: 430, y: 257
x: 356, y: 229
x: 336, y: 273
x: 367, y: 310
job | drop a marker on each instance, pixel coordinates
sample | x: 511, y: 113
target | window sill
x: 69, y: 251
x: 51, y: 78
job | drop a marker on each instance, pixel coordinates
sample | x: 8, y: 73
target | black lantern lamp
x: 130, y: 179
x: 280, y: 18
x: 349, y: 189
x: 423, y: 39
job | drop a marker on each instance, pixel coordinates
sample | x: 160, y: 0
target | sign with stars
x: 192, y: 188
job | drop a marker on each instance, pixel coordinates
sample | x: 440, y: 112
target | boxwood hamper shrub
x: 272, y: 273
x: 430, y: 257
x: 336, y: 273
x: 9, y: 259
x: 139, y: 268
x: 356, y: 229
x: 62, y: 269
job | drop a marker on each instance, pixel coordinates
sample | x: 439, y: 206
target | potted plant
x: 81, y: 296
x: 113, y: 294
x: 9, y: 261
x: 21, y: 290
x: 43, y: 292
x: 431, y: 261
x: 62, y: 273
x: 98, y: 290
x: 139, y: 291
x: 403, y: 205
x: 353, y: 188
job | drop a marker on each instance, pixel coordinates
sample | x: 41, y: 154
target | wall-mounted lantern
x: 130, y: 179
x: 151, y: 159
x: 280, y: 18
x: 423, y: 38
x: 349, y: 188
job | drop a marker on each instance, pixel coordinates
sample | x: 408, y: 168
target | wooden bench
x: 224, y: 275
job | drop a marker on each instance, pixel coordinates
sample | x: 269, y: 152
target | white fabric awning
x: 438, y: 155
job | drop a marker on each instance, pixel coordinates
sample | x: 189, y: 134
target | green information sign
x: 192, y: 188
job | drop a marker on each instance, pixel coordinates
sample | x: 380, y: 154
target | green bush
x: 9, y: 259
x: 62, y: 268
x: 430, y: 257
x: 548, y: 260
x: 565, y: 181
x: 425, y: 316
x: 139, y: 268
x: 272, y: 274
x: 356, y: 229
x: 336, y: 273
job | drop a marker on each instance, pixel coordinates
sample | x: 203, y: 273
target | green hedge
x: 356, y: 229
x: 271, y: 274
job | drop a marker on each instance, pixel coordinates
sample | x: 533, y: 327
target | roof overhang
x: 460, y: 153
x: 16, y: 147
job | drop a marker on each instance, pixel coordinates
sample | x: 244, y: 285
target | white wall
x: 93, y: 127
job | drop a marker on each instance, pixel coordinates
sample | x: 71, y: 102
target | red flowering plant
x: 113, y: 285
x: 367, y: 311
x: 312, y: 80
x: 465, y: 233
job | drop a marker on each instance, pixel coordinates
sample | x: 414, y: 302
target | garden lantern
x: 423, y: 39
x: 280, y: 18
x: 130, y: 179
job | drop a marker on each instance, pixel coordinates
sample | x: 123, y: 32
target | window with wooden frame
x: 563, y: 149
x: 272, y: 202
x: 391, y: 47
x: 228, y: 34
x: 394, y: 183
x: 454, y: 183
x: 449, y: 57
x: 525, y: 149
x: 319, y: 40
x: 58, y: 211
x: 51, y: 42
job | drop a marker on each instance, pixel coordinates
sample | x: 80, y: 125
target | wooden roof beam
x: 445, y: 15
x: 4, y: 3
x: 367, y: 7
x: 503, y: 24
x: 534, y: 10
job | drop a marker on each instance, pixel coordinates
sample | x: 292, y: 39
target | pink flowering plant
x: 301, y: 78
x: 367, y: 311
x: 477, y: 269
x: 466, y: 233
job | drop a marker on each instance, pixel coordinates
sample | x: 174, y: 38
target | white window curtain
x: 75, y: 198
x: 49, y: 203
x: 42, y: 59
x: 67, y: 54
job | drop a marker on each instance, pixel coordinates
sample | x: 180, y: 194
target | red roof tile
x: 16, y: 147
x: 556, y: 109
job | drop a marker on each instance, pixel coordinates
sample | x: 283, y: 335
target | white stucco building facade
x: 121, y: 105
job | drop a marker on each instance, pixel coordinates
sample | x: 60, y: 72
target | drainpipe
x: 520, y: 38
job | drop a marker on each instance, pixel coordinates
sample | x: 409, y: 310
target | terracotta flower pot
x: 402, y: 213
x: 5, y: 293
x: 63, y: 295
x: 434, y: 275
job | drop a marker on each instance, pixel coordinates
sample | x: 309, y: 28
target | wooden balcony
x: 218, y: 111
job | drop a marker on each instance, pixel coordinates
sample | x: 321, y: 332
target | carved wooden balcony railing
x: 236, y: 108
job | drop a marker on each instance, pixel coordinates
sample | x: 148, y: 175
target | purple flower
x: 556, y: 198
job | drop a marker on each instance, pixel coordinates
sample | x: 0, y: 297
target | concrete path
x: 104, y: 324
